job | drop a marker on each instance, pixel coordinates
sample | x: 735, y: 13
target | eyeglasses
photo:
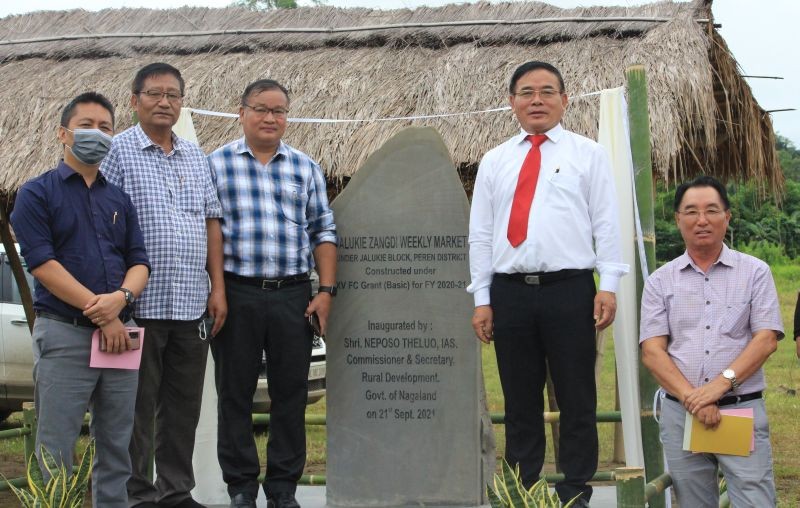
x: 545, y: 94
x: 710, y: 214
x: 262, y: 111
x: 157, y: 95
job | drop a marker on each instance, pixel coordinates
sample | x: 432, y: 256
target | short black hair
x: 85, y: 98
x: 262, y: 85
x: 532, y: 66
x: 702, y: 181
x: 155, y: 69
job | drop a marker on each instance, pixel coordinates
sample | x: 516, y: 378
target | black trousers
x: 535, y: 326
x: 269, y: 320
x: 168, y: 401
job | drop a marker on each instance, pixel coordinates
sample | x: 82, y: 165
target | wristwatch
x: 730, y: 375
x: 327, y: 289
x: 129, y: 298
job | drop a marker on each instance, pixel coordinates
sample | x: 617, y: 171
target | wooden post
x: 555, y: 428
x: 643, y: 177
x: 630, y: 487
x: 619, y: 439
x: 29, y: 422
x: 15, y: 262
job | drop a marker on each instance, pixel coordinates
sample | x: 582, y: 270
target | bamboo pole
x: 30, y: 425
x: 555, y: 427
x: 643, y: 176
x: 630, y: 487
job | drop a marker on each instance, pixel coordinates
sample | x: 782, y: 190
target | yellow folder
x: 733, y: 436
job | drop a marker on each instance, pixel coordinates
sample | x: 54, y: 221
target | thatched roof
x: 703, y: 115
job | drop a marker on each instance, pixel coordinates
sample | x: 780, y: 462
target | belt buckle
x: 532, y: 280
x: 267, y: 283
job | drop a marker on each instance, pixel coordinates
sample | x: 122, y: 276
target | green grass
x: 783, y: 406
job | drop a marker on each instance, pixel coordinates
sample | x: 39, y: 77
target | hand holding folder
x: 733, y: 435
x: 126, y: 360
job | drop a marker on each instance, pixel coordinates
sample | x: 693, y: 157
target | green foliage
x: 266, y: 5
x: 509, y: 492
x: 758, y: 226
x: 789, y: 156
x: 63, y: 490
x: 768, y: 252
x: 669, y: 243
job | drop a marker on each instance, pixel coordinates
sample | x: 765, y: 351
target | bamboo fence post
x: 630, y: 487
x: 29, y: 423
x: 643, y: 178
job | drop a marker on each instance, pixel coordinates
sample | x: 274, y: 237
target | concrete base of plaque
x: 406, y: 414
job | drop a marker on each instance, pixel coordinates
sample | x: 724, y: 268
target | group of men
x: 252, y: 219
x: 144, y: 230
x: 543, y: 218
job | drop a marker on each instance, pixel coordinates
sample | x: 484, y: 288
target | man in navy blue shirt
x: 81, y: 240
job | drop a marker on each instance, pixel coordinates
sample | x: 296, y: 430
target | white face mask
x: 90, y: 146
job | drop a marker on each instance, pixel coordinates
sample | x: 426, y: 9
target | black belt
x: 77, y: 321
x: 276, y: 283
x: 730, y: 399
x: 539, y: 278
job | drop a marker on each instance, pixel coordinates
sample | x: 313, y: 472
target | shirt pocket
x: 293, y: 203
x: 735, y: 321
x: 565, y: 181
x: 190, y: 194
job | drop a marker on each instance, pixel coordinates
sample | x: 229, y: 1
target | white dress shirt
x: 573, y: 220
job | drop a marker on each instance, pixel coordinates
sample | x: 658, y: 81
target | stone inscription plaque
x: 404, y: 425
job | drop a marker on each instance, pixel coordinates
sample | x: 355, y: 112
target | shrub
x: 768, y: 252
x: 63, y: 490
x: 509, y: 492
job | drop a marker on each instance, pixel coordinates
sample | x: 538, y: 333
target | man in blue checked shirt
x: 276, y: 226
x: 170, y: 184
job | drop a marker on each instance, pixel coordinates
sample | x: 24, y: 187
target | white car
x: 16, y: 357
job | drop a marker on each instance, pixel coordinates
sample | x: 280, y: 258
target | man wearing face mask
x: 81, y: 239
x: 169, y: 181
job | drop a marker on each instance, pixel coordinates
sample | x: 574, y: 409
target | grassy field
x: 783, y: 377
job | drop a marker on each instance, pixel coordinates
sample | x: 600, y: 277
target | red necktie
x: 526, y: 188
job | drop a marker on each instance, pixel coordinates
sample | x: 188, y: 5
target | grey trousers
x: 65, y: 386
x: 694, y: 475
x: 167, y: 411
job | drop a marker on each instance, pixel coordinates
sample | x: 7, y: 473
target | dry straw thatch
x: 703, y: 115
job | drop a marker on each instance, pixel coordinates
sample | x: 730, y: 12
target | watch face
x: 728, y: 374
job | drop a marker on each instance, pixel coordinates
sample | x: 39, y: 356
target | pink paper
x: 745, y: 411
x: 126, y: 360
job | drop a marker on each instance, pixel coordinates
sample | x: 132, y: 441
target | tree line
x: 759, y: 226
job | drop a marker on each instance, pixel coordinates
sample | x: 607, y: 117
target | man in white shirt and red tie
x: 543, y: 218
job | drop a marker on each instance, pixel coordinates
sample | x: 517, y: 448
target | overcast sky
x: 761, y: 35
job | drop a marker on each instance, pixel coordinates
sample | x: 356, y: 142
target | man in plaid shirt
x: 169, y: 182
x: 275, y: 220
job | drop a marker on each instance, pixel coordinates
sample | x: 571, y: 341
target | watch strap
x: 129, y: 298
x: 331, y: 290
